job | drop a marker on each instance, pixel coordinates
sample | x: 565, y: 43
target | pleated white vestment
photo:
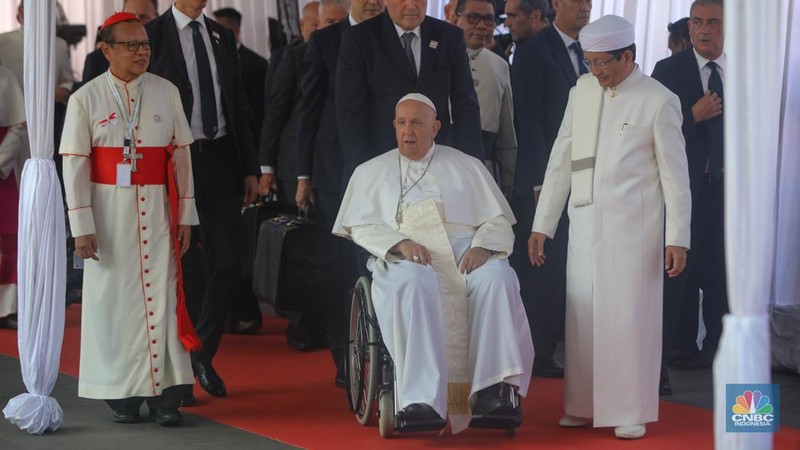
x: 129, y: 336
x: 459, y: 195
x: 615, y: 263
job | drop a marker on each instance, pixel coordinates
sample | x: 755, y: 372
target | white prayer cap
x: 418, y: 97
x: 606, y: 34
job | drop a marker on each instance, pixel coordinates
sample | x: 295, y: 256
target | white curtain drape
x: 755, y: 45
x: 41, y: 258
x: 786, y: 283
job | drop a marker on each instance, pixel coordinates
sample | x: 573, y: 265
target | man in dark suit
x: 95, y: 63
x: 245, y: 312
x: 399, y: 52
x: 188, y: 49
x: 319, y: 155
x: 697, y: 76
x: 254, y: 67
x: 545, y: 68
x: 524, y: 20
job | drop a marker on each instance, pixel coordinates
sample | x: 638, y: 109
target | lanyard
x: 126, y: 148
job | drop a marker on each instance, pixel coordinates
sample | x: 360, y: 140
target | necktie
x: 715, y: 128
x: 407, y: 38
x: 208, y: 101
x: 576, y: 47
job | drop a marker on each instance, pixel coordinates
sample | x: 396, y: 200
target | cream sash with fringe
x: 422, y: 223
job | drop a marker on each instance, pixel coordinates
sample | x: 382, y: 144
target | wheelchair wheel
x: 363, y: 360
x: 386, y: 416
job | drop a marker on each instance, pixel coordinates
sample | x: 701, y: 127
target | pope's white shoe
x: 573, y: 422
x: 630, y: 431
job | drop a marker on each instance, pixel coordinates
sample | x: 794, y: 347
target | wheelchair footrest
x: 418, y: 425
x: 502, y: 422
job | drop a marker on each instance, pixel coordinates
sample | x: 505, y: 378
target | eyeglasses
x: 475, y: 18
x: 599, y: 65
x: 132, y: 46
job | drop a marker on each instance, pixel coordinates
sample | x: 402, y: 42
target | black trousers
x: 170, y: 398
x: 543, y: 289
x: 705, y: 268
x: 211, y: 267
x: 328, y: 204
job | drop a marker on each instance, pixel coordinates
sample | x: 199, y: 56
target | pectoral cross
x: 129, y: 154
x: 133, y: 156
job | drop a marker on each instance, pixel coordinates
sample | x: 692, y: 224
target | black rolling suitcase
x: 295, y: 264
x: 252, y: 218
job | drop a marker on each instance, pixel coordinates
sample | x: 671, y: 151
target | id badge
x: 123, y: 174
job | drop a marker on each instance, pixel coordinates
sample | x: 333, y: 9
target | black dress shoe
x: 125, y: 416
x: 491, y: 401
x: 420, y: 412
x: 209, y: 380
x: 340, y: 379
x: 548, y: 368
x: 188, y: 401
x: 664, y: 386
x: 168, y: 417
x: 247, y: 326
x: 9, y: 322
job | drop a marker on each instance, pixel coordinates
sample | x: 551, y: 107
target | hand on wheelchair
x: 474, y: 258
x: 412, y: 251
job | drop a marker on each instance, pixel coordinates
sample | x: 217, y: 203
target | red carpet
x: 290, y: 396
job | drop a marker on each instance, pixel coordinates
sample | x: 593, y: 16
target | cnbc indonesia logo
x: 753, y: 410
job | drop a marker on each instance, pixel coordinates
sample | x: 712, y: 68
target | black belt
x: 204, y: 145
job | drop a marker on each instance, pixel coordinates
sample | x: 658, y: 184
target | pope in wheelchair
x: 446, y: 300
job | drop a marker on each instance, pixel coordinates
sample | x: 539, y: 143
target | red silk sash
x: 156, y: 167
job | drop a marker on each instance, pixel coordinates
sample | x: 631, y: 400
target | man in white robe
x: 492, y: 79
x: 446, y: 299
x: 13, y: 153
x: 131, y: 204
x: 618, y: 160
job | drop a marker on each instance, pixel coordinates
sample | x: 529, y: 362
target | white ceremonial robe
x: 12, y: 56
x: 457, y: 192
x: 13, y: 153
x: 492, y: 79
x: 129, y: 337
x: 615, y: 263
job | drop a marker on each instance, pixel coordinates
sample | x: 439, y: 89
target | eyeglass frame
x: 601, y: 65
x: 479, y: 17
x: 139, y: 44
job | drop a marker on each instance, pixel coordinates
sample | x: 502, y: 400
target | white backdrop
x: 649, y: 17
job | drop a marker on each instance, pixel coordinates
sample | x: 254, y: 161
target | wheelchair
x: 370, y: 376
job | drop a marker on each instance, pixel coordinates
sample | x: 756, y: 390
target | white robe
x: 12, y: 56
x: 13, y: 153
x: 474, y: 214
x: 615, y: 263
x: 129, y: 336
x: 490, y: 74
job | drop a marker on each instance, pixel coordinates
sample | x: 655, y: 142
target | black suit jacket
x: 680, y: 74
x: 254, y: 76
x: 278, y: 146
x: 94, y: 65
x: 318, y: 151
x: 542, y: 75
x: 166, y: 60
x: 373, y: 74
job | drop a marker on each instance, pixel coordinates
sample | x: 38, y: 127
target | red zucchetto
x: 119, y: 17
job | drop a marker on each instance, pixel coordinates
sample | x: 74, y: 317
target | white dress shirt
x: 705, y: 71
x: 187, y: 46
x: 573, y: 55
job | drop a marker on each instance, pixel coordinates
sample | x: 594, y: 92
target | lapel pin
x: 433, y: 45
x: 216, y: 35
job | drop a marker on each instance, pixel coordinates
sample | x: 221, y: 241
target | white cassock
x: 13, y: 153
x: 615, y: 263
x: 130, y: 343
x: 490, y: 74
x: 12, y: 56
x: 444, y: 330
